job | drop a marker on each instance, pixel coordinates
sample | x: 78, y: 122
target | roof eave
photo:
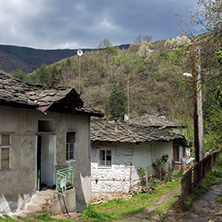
x: 18, y: 104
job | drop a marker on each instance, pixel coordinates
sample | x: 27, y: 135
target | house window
x: 105, y: 157
x: 70, y: 145
x: 5, y: 146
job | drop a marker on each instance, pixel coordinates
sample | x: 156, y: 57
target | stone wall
x: 126, y: 160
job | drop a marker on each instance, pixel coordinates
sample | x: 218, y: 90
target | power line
x: 91, y: 102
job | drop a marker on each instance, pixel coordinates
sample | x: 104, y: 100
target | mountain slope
x: 29, y: 59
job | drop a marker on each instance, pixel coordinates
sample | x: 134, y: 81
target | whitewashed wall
x: 126, y: 159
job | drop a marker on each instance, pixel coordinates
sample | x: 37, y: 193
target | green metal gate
x: 64, y: 179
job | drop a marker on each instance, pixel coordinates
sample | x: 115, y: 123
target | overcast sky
x: 59, y: 24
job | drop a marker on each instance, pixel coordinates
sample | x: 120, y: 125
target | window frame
x: 5, y: 147
x: 99, y: 162
x: 74, y: 147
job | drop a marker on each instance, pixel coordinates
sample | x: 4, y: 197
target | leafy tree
x: 134, y: 47
x: 112, y: 50
x: 117, y: 101
x: 19, y: 74
x: 144, y: 50
x: 219, y: 55
x: 177, y: 42
x: 48, y: 76
x: 68, y: 62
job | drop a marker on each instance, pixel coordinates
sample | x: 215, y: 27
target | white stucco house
x: 119, y: 149
x: 161, y: 122
x: 42, y: 131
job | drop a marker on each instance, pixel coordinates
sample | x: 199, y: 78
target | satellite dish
x: 187, y: 74
x: 79, y: 52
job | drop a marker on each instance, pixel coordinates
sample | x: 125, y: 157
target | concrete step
x: 45, y: 207
x: 38, y: 200
x: 34, y: 208
x: 41, y: 202
x: 47, y: 194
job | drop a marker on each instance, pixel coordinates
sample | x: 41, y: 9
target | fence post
x: 196, y: 175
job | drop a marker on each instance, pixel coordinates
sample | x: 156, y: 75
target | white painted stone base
x: 12, y: 206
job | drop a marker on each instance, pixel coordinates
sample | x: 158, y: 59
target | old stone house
x: 161, y: 122
x: 42, y: 131
x: 119, y: 149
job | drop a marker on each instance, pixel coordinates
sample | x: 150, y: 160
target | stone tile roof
x: 14, y: 92
x: 105, y: 131
x: 154, y: 121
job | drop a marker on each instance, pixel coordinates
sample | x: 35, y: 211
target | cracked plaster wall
x: 19, y: 183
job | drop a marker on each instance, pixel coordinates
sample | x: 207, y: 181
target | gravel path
x: 207, y: 208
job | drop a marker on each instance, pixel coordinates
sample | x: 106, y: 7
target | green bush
x: 155, y: 183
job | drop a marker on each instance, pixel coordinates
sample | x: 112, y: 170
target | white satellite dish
x: 187, y: 74
x: 79, y: 52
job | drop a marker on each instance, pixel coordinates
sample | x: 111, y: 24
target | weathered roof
x: 154, y: 121
x: 14, y: 92
x: 105, y: 131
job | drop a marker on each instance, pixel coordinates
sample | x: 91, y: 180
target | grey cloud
x: 72, y: 23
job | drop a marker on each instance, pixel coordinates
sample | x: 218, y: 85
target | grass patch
x: 37, y: 218
x: 5, y: 217
x: 164, y: 208
x: 220, y: 199
x: 119, y: 208
x: 23, y: 219
x: 187, y: 205
x: 47, y: 217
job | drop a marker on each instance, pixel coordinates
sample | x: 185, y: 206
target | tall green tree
x: 48, y: 76
x: 19, y: 74
x: 117, y: 101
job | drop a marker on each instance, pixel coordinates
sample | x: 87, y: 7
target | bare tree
x: 104, y: 44
x: 141, y: 38
x: 147, y: 38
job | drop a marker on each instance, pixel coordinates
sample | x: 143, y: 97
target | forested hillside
x: 14, y: 58
x: 149, y: 75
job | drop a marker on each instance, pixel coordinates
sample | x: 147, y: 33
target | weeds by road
x: 121, y: 209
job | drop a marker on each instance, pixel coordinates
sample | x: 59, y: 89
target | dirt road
x: 207, y: 208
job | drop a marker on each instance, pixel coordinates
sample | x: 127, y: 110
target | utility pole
x: 199, y: 105
x: 128, y: 96
x: 195, y: 114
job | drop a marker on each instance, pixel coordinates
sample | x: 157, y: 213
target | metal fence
x: 64, y: 179
x: 195, y: 175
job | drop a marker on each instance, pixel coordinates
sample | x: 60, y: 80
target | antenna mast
x: 79, y: 53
